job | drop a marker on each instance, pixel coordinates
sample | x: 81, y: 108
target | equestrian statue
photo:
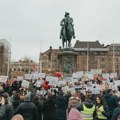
x: 67, y: 31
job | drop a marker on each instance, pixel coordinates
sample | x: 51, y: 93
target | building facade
x: 49, y: 60
x: 22, y: 67
x: 5, y: 56
x: 91, y: 55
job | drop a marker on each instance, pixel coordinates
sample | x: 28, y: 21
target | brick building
x: 92, y: 55
x: 22, y: 67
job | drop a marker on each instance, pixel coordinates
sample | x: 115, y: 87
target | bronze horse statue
x: 66, y: 35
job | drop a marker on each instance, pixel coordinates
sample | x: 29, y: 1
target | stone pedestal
x: 67, y: 61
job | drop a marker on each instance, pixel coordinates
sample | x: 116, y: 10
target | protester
x: 61, y: 106
x: 73, y: 113
x: 111, y: 101
x: 101, y: 111
x: 27, y: 109
x: 116, y: 113
x: 48, y: 108
x: 87, y: 108
x: 6, y: 111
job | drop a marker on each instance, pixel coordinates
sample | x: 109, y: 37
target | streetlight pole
x: 87, y: 57
x: 113, y: 58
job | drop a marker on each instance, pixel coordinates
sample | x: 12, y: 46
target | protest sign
x: 78, y: 74
x: 68, y: 79
x: 95, y: 89
x: 3, y: 79
x: 28, y: 76
x: 117, y: 82
x: 41, y: 75
x: 89, y: 75
x: 19, y: 78
x: 25, y: 83
x: 96, y: 71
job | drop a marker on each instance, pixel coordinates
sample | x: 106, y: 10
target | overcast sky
x: 32, y: 26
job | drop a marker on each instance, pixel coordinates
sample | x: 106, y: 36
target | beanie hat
x: 74, y: 114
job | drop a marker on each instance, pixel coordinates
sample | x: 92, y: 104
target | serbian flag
x: 34, y: 67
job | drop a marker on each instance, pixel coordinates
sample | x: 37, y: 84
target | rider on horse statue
x: 67, y: 20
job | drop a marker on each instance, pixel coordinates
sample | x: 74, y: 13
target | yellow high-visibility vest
x: 88, y: 112
x: 99, y: 114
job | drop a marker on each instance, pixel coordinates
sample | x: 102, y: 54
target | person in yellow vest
x: 101, y: 109
x: 87, y: 108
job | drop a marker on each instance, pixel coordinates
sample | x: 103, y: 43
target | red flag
x: 34, y: 67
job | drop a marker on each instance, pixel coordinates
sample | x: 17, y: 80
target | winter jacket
x: 28, y: 110
x: 116, y: 113
x: 9, y: 112
x: 48, y: 110
x: 61, y: 106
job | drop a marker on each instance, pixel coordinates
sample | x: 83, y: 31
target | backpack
x: 2, y: 111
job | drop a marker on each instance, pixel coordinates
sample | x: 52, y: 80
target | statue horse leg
x: 63, y: 42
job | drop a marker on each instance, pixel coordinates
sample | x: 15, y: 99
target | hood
x: 88, y: 104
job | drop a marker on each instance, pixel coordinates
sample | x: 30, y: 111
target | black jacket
x: 48, y: 110
x: 9, y: 112
x: 116, y: 113
x: 61, y: 106
x: 28, y: 110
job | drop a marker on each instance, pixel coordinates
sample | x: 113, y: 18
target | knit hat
x: 74, y: 114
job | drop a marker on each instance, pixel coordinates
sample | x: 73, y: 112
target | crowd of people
x: 17, y: 103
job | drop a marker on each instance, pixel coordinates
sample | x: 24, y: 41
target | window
x: 117, y: 60
x: 44, y: 65
x: 44, y: 58
x: 103, y: 59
